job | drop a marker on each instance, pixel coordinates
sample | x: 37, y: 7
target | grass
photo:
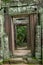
x: 1, y: 62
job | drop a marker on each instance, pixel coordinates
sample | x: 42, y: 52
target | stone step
x: 21, y: 64
x: 21, y: 60
x: 21, y: 56
x: 15, y: 64
x: 14, y: 60
x: 21, y: 53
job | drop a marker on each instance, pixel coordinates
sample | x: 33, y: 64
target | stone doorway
x: 23, y: 49
x: 9, y: 28
x: 21, y: 27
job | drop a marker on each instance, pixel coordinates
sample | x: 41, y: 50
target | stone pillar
x: 28, y: 35
x: 0, y: 4
x: 42, y: 44
x: 41, y: 21
x: 12, y: 34
x: 38, y: 42
x: 8, y: 24
x: 32, y: 33
x: 6, y: 47
x: 1, y: 34
x: 33, y: 22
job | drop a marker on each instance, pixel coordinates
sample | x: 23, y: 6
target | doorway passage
x: 21, y: 36
x: 21, y: 33
x: 12, y: 23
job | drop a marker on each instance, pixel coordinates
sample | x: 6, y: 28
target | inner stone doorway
x: 21, y: 33
x: 21, y: 48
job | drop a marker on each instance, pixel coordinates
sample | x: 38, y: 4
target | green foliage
x: 6, y: 1
x: 1, y: 63
x: 21, y: 35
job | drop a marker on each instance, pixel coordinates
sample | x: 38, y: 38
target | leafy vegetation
x: 6, y: 1
x: 21, y: 35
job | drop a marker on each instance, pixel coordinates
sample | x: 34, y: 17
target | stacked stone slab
x: 41, y: 21
x: 1, y: 34
x: 42, y: 44
x: 0, y: 3
x: 38, y: 42
x: 42, y: 36
x: 4, y: 47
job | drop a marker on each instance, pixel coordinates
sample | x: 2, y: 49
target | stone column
x: 33, y: 22
x: 42, y: 44
x: 1, y: 35
x: 32, y: 33
x: 38, y: 42
x: 41, y: 20
x: 0, y: 3
x: 28, y: 35
x: 6, y: 47
x: 12, y: 34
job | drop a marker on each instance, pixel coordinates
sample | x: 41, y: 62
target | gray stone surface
x: 6, y: 47
x: 1, y: 34
x: 41, y: 21
x: 38, y: 42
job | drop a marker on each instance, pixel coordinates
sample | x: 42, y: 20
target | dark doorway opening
x: 21, y: 37
x: 21, y: 33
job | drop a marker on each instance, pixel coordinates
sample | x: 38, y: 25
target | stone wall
x: 1, y: 34
x: 41, y: 22
x: 38, y: 42
x: 39, y: 36
x: 0, y: 3
x: 4, y: 46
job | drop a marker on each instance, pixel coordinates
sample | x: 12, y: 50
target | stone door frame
x: 23, y: 23
x: 33, y: 19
